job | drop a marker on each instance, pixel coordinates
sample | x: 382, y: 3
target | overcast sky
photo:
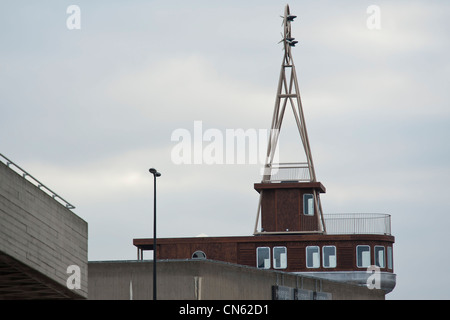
x: 88, y: 111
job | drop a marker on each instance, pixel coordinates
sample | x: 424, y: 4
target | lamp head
x: 154, y: 172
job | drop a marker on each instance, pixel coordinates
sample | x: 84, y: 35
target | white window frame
x: 266, y: 261
x: 283, y: 258
x: 376, y: 256
x: 329, y: 262
x: 360, y: 264
x: 198, y: 252
x: 390, y: 264
x: 315, y: 259
x: 308, y: 210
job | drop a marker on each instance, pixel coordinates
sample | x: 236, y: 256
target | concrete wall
x: 40, y: 232
x: 205, y: 280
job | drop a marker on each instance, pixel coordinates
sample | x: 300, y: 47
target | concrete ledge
x: 206, y: 280
x: 386, y: 280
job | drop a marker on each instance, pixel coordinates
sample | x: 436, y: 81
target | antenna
x: 288, y: 94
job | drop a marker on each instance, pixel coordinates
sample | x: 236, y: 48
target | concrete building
x: 199, y: 279
x: 43, y: 244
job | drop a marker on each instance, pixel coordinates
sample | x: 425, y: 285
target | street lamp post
x: 155, y: 174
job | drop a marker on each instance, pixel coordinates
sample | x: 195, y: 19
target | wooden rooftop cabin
x: 295, y: 235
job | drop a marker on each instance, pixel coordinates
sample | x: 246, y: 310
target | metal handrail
x: 278, y: 172
x: 358, y: 223
x: 37, y: 183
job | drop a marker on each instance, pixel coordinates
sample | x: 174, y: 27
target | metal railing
x: 277, y: 172
x: 36, y: 182
x: 358, y: 223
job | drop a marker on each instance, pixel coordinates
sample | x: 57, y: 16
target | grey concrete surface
x: 206, y: 280
x: 41, y: 233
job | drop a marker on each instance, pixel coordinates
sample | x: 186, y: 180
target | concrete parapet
x: 40, y: 232
x: 207, y: 280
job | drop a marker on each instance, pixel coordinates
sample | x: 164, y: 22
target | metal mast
x: 288, y: 93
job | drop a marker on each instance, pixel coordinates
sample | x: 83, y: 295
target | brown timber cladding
x: 242, y: 250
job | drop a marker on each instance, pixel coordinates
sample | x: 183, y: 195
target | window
x: 389, y: 258
x: 312, y: 257
x: 263, y: 258
x: 329, y: 256
x: 308, y: 204
x: 279, y: 258
x: 362, y: 256
x: 379, y: 256
x: 198, y: 255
